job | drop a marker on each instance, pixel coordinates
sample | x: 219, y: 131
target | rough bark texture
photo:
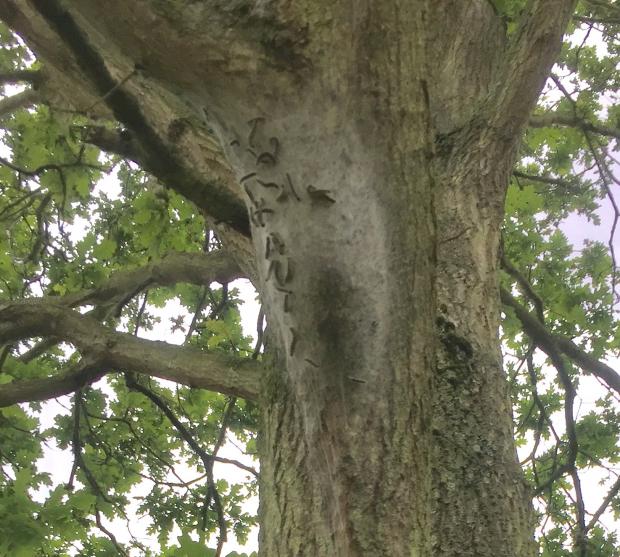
x: 371, y: 144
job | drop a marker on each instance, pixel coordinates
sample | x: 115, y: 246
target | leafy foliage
x: 560, y: 238
x: 71, y: 216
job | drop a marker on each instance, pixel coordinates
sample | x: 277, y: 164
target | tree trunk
x: 346, y: 435
x: 371, y: 144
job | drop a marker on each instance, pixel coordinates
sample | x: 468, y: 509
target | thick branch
x: 118, y: 142
x: 122, y: 286
x: 163, y: 159
x: 124, y: 352
x: 549, y: 343
x: 528, y: 62
x: 33, y: 77
x: 173, y: 268
x: 199, y: 187
x: 24, y: 99
x: 67, y: 382
x: 123, y: 143
x: 562, y: 120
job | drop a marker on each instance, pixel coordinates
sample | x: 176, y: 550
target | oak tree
x: 390, y: 179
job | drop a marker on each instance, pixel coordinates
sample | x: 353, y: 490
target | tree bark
x: 370, y: 144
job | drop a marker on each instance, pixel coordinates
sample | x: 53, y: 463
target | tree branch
x: 163, y: 159
x: 198, y: 170
x: 49, y: 166
x: 124, y: 352
x: 525, y: 286
x: 173, y: 268
x: 188, y: 437
x: 611, y: 494
x: 549, y: 342
x: 119, y: 548
x: 117, y: 141
x: 605, y: 177
x: 78, y: 376
x: 123, y: 143
x: 554, y: 119
x: 569, y: 187
x: 528, y: 60
x: 24, y: 99
x: 34, y: 77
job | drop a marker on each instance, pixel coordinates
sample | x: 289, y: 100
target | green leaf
x: 105, y: 249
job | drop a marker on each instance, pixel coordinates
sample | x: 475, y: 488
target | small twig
x: 207, y: 460
x: 573, y: 446
x: 49, y: 166
x: 602, y: 170
x: 565, y: 184
x: 77, y: 446
x: 199, y: 307
x: 109, y: 534
x: 111, y: 90
x: 525, y: 286
x: 19, y: 200
x: 140, y: 313
x: 216, y: 310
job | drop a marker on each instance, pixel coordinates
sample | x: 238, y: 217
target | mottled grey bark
x: 371, y: 143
